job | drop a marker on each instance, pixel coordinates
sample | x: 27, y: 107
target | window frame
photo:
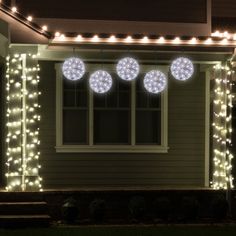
x: 91, y: 148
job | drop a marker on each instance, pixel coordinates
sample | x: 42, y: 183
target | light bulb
x: 182, y: 68
x: 127, y: 68
x: 155, y: 81
x: 73, y: 68
x: 100, y: 81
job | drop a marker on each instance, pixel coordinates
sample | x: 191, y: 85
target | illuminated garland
x: 22, y: 123
x: 222, y: 128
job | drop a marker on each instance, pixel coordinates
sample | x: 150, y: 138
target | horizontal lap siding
x: 182, y: 166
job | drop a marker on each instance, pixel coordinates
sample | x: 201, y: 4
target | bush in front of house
x: 70, y: 210
x: 137, y: 208
x: 162, y: 208
x: 189, y: 209
x: 219, y: 208
x: 97, y: 210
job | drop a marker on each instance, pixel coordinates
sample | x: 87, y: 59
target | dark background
x: 131, y: 10
x: 223, y: 11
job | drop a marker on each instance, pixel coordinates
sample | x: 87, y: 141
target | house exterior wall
x: 182, y: 166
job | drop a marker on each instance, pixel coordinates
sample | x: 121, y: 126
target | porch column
x: 23, y: 118
x: 222, y: 129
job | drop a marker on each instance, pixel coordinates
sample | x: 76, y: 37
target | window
x: 126, y: 119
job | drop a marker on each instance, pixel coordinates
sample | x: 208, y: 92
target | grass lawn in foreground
x: 125, y: 231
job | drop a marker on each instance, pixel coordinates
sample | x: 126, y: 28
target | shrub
x: 162, y: 208
x: 97, y: 209
x: 219, y: 208
x: 137, y: 207
x: 189, y: 208
x: 70, y: 210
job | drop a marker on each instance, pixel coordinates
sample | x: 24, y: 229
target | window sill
x: 111, y: 149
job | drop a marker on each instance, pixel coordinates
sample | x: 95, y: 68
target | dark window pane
x: 124, y: 99
x: 111, y: 100
x: 148, y: 127
x: 154, y: 100
x: 82, y: 83
x: 75, y: 92
x: 99, y: 100
x: 145, y: 99
x: 111, y: 127
x: 141, y: 94
x: 68, y: 84
x: 119, y: 96
x: 69, y: 99
x: 141, y: 99
x: 139, y: 83
x: 75, y: 127
x: 81, y: 99
x: 122, y: 85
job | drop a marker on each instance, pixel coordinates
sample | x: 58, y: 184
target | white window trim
x: 90, y: 148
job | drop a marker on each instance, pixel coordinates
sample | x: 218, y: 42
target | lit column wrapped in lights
x: 222, y: 129
x: 22, y: 123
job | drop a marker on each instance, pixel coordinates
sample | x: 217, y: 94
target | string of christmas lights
x: 222, y: 127
x: 145, y: 40
x: 23, y: 108
x: 22, y: 123
x: 217, y: 38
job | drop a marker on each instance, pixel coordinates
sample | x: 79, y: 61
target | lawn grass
x: 125, y: 231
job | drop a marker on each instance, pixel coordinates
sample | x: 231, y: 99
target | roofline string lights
x: 26, y: 20
x: 23, y: 118
x: 225, y: 34
x: 217, y: 38
x: 222, y: 127
x: 22, y: 169
x: 61, y: 38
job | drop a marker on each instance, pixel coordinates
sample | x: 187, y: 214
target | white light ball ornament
x: 127, y: 68
x: 73, y: 68
x: 182, y: 68
x: 100, y: 81
x: 155, y: 81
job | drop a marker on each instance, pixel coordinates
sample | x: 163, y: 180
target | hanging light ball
x: 73, y: 68
x: 100, y: 81
x: 182, y: 68
x: 155, y: 81
x: 127, y: 68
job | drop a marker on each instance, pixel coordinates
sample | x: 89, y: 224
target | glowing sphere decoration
x: 100, y: 81
x: 155, y: 81
x: 127, y: 68
x: 73, y: 68
x: 182, y: 68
